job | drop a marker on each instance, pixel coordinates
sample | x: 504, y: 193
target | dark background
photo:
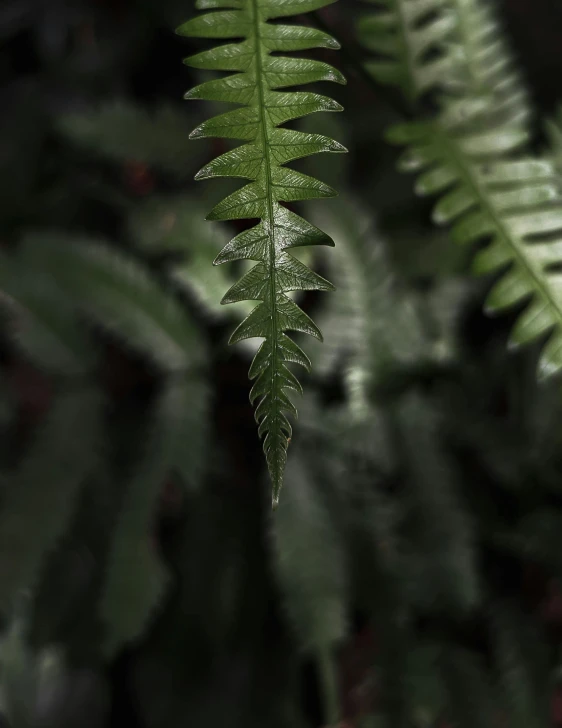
x: 64, y: 165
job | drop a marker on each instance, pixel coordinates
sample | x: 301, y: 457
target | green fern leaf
x: 258, y: 86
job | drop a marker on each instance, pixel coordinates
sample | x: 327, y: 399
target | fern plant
x: 263, y: 109
x: 474, y: 154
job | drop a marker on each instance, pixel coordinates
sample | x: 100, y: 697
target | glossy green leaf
x: 257, y: 86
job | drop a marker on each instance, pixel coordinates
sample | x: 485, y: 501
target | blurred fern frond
x: 122, y: 131
x: 410, y: 37
x: 373, y: 326
x: 119, y: 294
x: 473, y: 155
x: 173, y: 228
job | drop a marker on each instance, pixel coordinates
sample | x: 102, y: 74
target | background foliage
x: 410, y: 576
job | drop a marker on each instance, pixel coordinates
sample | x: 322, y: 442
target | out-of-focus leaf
x: 123, y: 132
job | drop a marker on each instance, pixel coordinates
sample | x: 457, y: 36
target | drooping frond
x: 258, y: 86
x: 473, y: 155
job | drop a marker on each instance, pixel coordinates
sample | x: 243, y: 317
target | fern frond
x: 263, y: 109
x: 118, y: 294
x: 175, y: 227
x: 489, y: 69
x: 373, y: 324
x: 473, y: 155
x: 410, y: 37
x: 493, y: 193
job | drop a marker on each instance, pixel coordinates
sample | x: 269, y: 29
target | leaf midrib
x: 260, y: 76
x: 471, y: 180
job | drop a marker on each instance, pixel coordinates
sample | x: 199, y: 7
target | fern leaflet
x: 405, y: 36
x: 263, y: 109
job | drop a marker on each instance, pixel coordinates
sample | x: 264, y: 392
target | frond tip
x: 263, y: 108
